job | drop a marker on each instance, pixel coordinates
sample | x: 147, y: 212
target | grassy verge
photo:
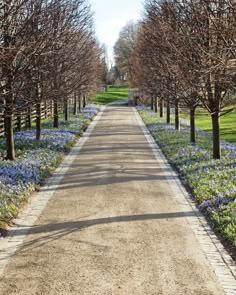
x: 212, y: 182
x: 35, y: 161
x: 112, y: 94
x: 228, y: 124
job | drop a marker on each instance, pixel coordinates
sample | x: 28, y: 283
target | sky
x: 111, y: 16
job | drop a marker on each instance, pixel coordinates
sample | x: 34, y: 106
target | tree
x: 185, y: 54
x: 48, y: 51
x: 124, y: 50
x: 15, y: 51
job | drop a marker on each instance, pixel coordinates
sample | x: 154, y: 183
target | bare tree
x: 188, y: 49
x: 47, y: 52
x: 15, y: 51
x: 124, y: 50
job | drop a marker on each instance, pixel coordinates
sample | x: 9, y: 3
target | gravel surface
x: 113, y: 226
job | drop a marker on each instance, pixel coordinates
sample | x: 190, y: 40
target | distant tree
x: 103, y: 69
x: 113, y: 75
x: 124, y: 50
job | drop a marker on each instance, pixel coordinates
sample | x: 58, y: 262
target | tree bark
x: 9, y: 99
x: 79, y: 98
x: 19, y: 122
x: 38, y: 121
x: 66, y: 109
x: 84, y: 101
x: 51, y: 108
x: 177, y: 125
x: 216, y: 135
x: 38, y: 110
x: 9, y: 135
x: 156, y: 104
x: 45, y: 109
x: 168, y: 112
x: 192, y: 125
x: 161, y: 106
x: 55, y: 114
x: 29, y: 121
x: 152, y: 102
x: 75, y: 112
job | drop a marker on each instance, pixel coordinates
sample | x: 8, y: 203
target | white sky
x: 111, y: 15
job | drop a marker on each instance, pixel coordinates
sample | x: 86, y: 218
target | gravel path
x: 113, y: 226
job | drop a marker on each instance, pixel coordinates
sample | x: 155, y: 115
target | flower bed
x: 213, y: 182
x: 35, y: 160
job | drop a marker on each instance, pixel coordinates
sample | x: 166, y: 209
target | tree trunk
x: 161, y: 105
x: 66, y: 109
x: 168, y: 112
x: 192, y: 125
x: 152, y: 102
x: 51, y: 108
x: 38, y: 121
x: 216, y: 135
x: 6, y: 70
x: 19, y: 122
x: 156, y: 104
x: 29, y: 121
x: 79, y: 98
x: 84, y: 101
x: 38, y: 111
x: 9, y: 135
x: 177, y: 125
x: 45, y: 109
x: 75, y: 112
x: 55, y: 114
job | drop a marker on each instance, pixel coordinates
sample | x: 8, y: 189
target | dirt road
x: 113, y: 226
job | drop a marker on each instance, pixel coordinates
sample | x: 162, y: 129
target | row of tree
x: 48, y: 52
x: 183, y: 54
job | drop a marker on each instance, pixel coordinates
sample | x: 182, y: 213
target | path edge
x: 221, y: 262
x: 38, y: 201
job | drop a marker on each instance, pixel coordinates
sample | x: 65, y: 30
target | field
x: 114, y: 93
x: 228, y: 124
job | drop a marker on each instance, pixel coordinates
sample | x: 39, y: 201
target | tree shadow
x: 101, y: 173
x: 47, y: 233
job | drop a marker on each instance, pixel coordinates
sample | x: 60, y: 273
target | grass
x: 228, y: 124
x: 114, y: 93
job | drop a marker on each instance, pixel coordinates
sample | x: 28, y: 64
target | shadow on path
x: 78, y: 225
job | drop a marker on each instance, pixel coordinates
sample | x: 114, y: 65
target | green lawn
x: 113, y: 94
x: 228, y: 124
